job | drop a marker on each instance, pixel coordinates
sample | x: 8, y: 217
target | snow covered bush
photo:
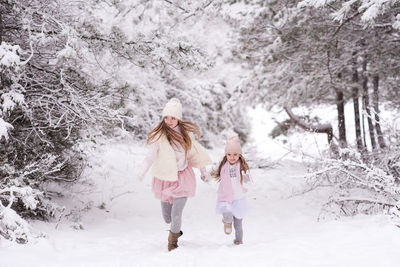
x: 47, y: 102
x: 367, y: 184
x: 12, y: 225
x: 16, y: 195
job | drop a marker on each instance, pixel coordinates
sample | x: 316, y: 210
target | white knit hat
x: 173, y: 108
x: 233, y: 144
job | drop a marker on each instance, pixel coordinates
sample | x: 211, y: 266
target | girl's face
x: 232, y: 157
x: 171, y: 121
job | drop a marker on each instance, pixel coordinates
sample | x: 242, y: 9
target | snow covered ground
x: 124, y: 227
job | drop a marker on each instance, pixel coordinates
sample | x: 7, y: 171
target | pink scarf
x: 225, y: 192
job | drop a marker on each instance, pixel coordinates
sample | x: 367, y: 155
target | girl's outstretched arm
x: 148, y: 161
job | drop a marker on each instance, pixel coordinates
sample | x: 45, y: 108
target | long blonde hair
x: 173, y: 136
x: 243, y: 167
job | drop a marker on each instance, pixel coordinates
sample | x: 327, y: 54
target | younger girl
x: 173, y: 153
x: 232, y: 203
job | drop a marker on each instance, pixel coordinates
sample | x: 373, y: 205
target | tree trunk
x: 381, y: 141
x: 1, y: 40
x: 341, y: 118
x: 355, y: 96
x: 1, y: 27
x: 4, y: 80
x: 371, y: 127
x: 362, y: 119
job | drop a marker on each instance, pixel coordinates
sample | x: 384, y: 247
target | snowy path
x: 281, y: 231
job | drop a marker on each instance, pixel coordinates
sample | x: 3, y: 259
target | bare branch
x: 320, y: 128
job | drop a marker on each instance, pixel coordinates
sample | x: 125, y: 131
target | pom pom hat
x: 173, y: 108
x: 233, y: 145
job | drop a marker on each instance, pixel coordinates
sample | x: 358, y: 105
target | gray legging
x: 237, y: 223
x: 172, y: 213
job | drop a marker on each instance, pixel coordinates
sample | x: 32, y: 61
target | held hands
x: 140, y: 177
x: 204, y: 178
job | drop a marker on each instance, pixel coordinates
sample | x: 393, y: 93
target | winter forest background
x: 77, y: 76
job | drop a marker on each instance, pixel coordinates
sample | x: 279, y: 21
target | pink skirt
x: 185, y: 186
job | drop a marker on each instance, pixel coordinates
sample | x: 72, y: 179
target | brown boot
x: 237, y: 242
x: 173, y: 240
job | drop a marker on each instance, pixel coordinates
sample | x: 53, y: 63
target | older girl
x: 173, y: 153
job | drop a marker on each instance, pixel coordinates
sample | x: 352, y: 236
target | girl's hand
x: 204, y: 178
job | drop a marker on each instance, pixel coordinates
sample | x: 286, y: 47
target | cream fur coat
x: 165, y: 166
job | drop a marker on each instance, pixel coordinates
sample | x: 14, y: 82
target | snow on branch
x: 396, y: 24
x: 9, y: 57
x: 12, y: 226
x: 11, y: 99
x: 373, y: 8
x: 369, y: 9
x: 314, y: 3
x: 4, y: 128
x: 341, y: 14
